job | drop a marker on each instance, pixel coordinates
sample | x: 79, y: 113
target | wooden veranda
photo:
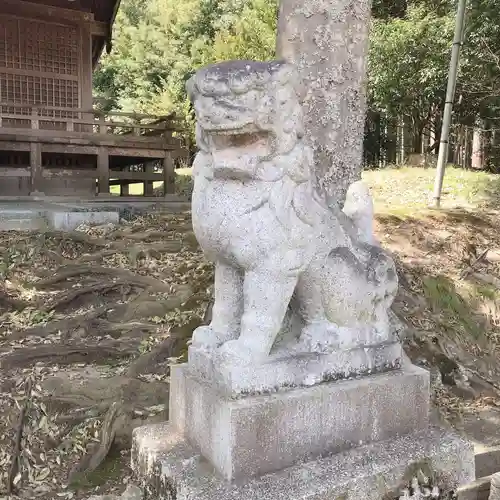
x: 52, y: 139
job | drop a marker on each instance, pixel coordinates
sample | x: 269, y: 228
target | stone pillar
x: 328, y: 43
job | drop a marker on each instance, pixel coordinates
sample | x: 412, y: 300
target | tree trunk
x: 328, y: 43
x: 455, y: 149
x: 477, y: 157
x: 487, y: 145
x: 372, y: 140
x: 402, y: 140
x: 495, y: 151
x: 392, y: 141
x: 417, y: 138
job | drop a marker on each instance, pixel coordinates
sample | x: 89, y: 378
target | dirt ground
x: 91, y: 320
x: 89, y: 323
x: 449, y: 298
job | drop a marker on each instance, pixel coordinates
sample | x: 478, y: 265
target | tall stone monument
x: 327, y: 41
x: 298, y: 389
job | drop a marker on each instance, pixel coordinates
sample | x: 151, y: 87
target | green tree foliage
x: 408, y: 65
x: 480, y: 66
x: 158, y: 44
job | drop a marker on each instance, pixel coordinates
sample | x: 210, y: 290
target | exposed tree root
x: 10, y: 303
x: 91, y: 461
x: 63, y: 325
x: 67, y: 354
x: 135, y: 251
x: 16, y: 452
x: 126, y: 271
x: 182, y: 228
x: 72, y: 271
x: 144, y: 236
x: 146, y: 309
x: 96, y: 257
x: 79, y: 237
x: 172, y: 347
x: 73, y: 294
x: 101, y: 328
x: 50, y: 254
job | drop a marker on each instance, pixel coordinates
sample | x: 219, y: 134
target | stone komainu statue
x: 288, y: 265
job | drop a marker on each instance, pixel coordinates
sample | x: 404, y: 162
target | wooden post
x: 103, y: 172
x: 36, y: 169
x: 168, y: 175
x: 35, y: 157
x: 35, y: 122
x: 103, y: 129
x: 124, y: 188
x: 148, y: 185
x: 86, y: 67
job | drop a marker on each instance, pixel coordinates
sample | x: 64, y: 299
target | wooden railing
x: 78, y: 121
x: 47, y: 133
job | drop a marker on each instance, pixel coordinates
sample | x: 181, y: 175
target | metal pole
x: 448, y: 107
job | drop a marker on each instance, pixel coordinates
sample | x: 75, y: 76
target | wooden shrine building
x: 52, y: 139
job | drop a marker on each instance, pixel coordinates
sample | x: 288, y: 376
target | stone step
x: 488, y: 461
x: 22, y: 220
x: 477, y: 490
x: 172, y: 468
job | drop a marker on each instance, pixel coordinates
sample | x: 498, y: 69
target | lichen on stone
x: 419, y: 482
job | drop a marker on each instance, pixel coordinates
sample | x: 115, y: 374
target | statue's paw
x: 237, y: 352
x: 207, y: 337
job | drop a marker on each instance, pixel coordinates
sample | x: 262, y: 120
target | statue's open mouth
x: 239, y: 140
x: 236, y: 156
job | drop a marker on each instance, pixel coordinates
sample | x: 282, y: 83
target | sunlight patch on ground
x: 408, y: 190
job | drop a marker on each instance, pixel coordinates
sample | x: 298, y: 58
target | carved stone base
x: 255, y: 435
x: 284, y: 370
x: 173, y: 469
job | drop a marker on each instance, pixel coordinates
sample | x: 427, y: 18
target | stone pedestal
x: 356, y: 439
x: 255, y: 435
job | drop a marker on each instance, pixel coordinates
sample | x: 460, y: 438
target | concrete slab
x: 172, y: 468
x: 42, y: 213
x: 255, y: 435
x: 18, y: 218
x: 61, y: 220
x: 23, y: 224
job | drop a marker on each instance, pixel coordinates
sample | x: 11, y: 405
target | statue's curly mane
x: 278, y: 112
